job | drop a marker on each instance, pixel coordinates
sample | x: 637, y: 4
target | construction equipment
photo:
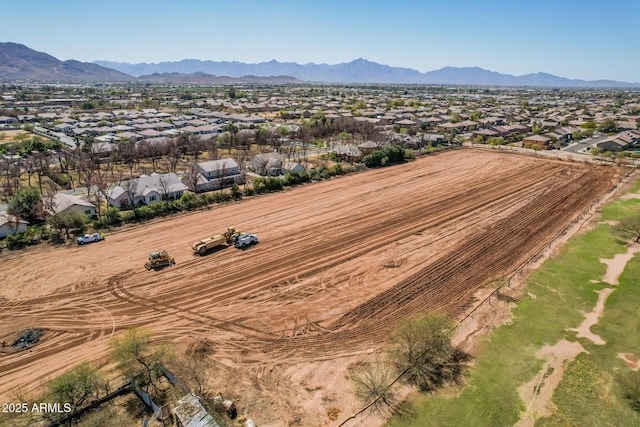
x: 244, y: 240
x: 202, y: 246
x: 159, y: 259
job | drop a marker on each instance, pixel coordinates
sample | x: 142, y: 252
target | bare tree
x: 10, y: 174
x: 174, y: 153
x: 30, y: 168
x: 42, y: 162
x: 192, y: 176
x: 373, y: 384
x: 130, y: 187
x: 211, y: 144
x: 194, y: 147
x: 48, y: 197
x: 164, y: 186
x: 195, y: 367
x: 423, y: 352
x: 128, y: 154
x: 87, y: 168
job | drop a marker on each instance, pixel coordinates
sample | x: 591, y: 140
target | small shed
x: 191, y: 413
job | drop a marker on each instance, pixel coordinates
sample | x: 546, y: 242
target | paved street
x: 582, y: 145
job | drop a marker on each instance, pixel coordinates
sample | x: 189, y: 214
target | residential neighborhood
x: 80, y: 162
x: 166, y: 141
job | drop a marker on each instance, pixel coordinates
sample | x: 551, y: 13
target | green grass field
x: 558, y: 295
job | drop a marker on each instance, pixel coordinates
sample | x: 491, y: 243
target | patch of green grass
x: 621, y: 209
x: 620, y: 322
x: 587, y: 395
x: 559, y: 293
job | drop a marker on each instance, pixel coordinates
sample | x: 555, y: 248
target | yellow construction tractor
x: 202, y: 246
x: 159, y: 259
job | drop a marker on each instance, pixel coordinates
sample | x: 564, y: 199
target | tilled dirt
x: 339, y: 263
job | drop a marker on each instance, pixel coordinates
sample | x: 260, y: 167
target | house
x: 539, y: 140
x: 63, y: 203
x: 10, y: 225
x: 216, y: 174
x: 620, y: 142
x: 218, y: 168
x: 368, y: 147
x: 6, y: 120
x: 348, y: 152
x: 146, y: 190
x: 267, y: 164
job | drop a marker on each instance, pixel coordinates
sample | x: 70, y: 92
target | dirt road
x: 339, y: 263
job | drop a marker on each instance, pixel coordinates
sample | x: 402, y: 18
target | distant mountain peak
x: 18, y: 62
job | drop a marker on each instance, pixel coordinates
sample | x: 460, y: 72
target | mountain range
x: 362, y: 71
x: 18, y: 62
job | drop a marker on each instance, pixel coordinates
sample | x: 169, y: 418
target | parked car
x: 88, y: 238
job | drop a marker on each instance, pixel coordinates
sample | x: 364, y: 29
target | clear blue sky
x: 583, y: 39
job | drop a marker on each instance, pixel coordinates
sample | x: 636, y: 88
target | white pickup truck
x: 88, y: 238
x: 245, y: 240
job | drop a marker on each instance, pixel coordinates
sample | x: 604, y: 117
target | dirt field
x: 9, y: 135
x: 339, y: 263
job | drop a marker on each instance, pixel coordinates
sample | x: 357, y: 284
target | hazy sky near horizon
x: 581, y: 39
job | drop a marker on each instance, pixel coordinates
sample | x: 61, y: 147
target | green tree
x: 70, y: 220
x: 374, y: 159
x: 134, y: 353
x: 82, y: 384
x: 26, y: 203
x: 112, y: 216
x: 608, y: 125
x: 235, y: 192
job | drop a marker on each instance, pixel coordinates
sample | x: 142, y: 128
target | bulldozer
x: 159, y: 259
x: 228, y: 238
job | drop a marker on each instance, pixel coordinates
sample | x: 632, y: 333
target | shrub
x: 219, y: 197
x: 295, y: 178
x: 32, y: 236
x: 112, y: 217
x: 267, y: 185
x: 374, y: 159
x: 177, y: 205
x: 384, y: 157
x: 142, y: 213
x: 408, y: 154
x: 236, y: 194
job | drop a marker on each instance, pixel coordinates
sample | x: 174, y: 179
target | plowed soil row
x: 339, y: 264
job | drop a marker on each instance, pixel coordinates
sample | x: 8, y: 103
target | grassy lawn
x: 557, y: 296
